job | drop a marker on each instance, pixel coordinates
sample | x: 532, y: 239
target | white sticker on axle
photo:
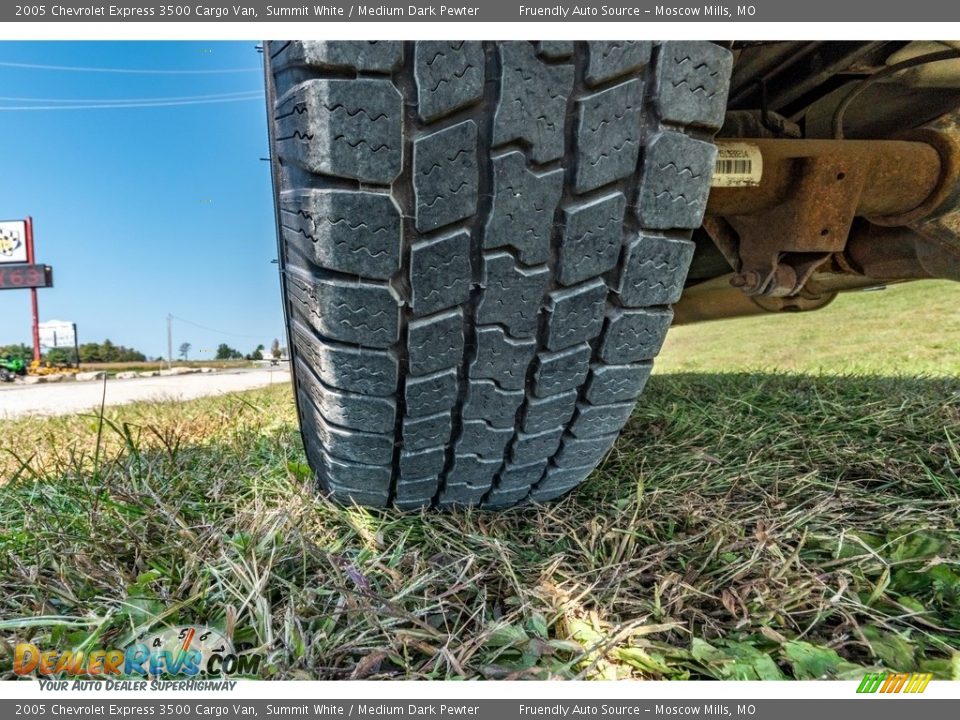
x: 737, y: 165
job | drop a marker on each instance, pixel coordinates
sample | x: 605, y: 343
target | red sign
x: 18, y: 277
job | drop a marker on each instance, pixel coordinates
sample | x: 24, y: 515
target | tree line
x: 107, y: 352
x: 93, y: 352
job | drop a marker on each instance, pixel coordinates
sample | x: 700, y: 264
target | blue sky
x: 142, y: 211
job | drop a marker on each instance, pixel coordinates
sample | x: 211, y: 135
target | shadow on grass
x: 744, y: 526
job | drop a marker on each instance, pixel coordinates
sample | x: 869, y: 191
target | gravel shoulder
x: 71, y: 397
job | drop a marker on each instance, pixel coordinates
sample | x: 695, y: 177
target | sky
x: 142, y: 211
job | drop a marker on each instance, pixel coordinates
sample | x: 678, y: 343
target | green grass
x: 745, y: 526
x: 912, y: 329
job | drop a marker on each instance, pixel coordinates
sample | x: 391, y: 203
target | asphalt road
x: 64, y: 398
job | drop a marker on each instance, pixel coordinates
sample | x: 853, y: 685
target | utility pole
x: 169, y: 340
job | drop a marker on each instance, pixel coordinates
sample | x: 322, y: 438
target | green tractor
x: 10, y: 368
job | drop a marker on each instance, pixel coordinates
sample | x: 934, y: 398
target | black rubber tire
x: 480, y: 244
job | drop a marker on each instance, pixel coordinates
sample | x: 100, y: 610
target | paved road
x: 72, y: 397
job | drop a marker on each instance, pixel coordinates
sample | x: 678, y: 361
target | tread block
x: 575, y: 314
x: 345, y: 444
x: 416, y: 487
x: 516, y: 477
x: 351, y: 232
x: 473, y: 471
x: 435, y: 342
x: 557, y: 481
x: 633, y: 335
x: 422, y: 463
x: 431, y: 394
x: 355, y: 312
x: 609, y: 129
x: 609, y: 59
x: 501, y: 498
x: 592, y: 236
x: 654, y: 271
x: 692, y: 83
x: 375, y: 55
x: 563, y: 370
x: 511, y: 295
x: 555, y: 49
x: 363, y: 497
x: 501, y: 358
x: 357, y: 369
x: 349, y: 475
x: 594, y: 420
x: 616, y: 383
x: 479, y: 438
x: 533, y: 101
x: 440, y: 273
x: 487, y: 401
x: 460, y: 496
x: 415, y: 494
x: 676, y: 181
x: 426, y: 432
x: 533, y: 448
x: 348, y: 410
x: 576, y: 452
x: 351, y: 482
x: 449, y: 75
x: 524, y: 203
x: 413, y: 503
x: 346, y: 128
x: 549, y: 412
x: 445, y: 175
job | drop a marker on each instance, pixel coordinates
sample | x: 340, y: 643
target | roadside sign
x: 17, y: 277
x: 13, y: 242
x: 58, y: 334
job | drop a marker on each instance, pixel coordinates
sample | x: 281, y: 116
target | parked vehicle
x: 10, y: 368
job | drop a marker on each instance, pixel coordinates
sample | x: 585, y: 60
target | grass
x: 748, y: 524
x: 113, y: 368
x: 912, y: 328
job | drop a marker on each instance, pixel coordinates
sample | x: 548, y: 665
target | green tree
x: 257, y: 353
x: 108, y: 352
x: 91, y: 353
x: 59, y: 356
x: 275, y: 351
x: 185, y: 349
x: 18, y: 351
x: 225, y: 352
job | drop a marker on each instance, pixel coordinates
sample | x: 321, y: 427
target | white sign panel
x: 13, y: 241
x: 57, y: 333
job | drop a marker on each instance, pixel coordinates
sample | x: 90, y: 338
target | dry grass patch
x: 745, y: 526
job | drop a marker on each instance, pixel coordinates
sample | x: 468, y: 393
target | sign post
x: 33, y: 292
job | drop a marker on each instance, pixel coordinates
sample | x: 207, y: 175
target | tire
x: 480, y: 245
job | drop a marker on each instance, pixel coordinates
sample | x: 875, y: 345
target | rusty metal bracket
x: 800, y: 213
x: 813, y: 221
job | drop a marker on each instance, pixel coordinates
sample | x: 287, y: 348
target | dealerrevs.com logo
x: 186, y: 651
x: 894, y: 682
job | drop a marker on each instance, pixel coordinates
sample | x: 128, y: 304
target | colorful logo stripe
x: 894, y: 682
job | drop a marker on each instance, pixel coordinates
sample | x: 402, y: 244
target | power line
x: 120, y: 101
x: 213, y: 330
x: 115, y: 106
x: 128, y: 71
